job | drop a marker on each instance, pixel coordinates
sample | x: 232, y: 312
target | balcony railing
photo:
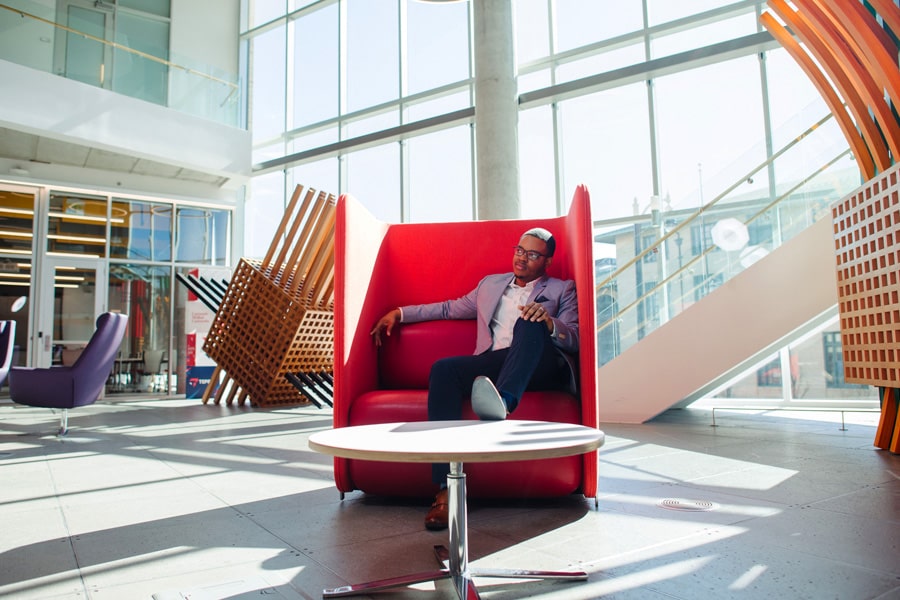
x: 33, y: 36
x: 671, y: 258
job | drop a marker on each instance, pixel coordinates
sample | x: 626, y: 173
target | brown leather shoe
x: 439, y: 515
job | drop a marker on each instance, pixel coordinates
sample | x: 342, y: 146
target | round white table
x: 456, y: 442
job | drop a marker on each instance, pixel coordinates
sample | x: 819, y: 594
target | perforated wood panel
x: 277, y: 315
x: 867, y: 244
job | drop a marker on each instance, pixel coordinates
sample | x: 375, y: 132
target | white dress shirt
x: 508, y: 312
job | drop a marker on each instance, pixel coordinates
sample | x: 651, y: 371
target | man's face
x: 528, y: 268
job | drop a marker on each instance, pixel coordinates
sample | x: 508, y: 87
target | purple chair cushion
x: 80, y: 384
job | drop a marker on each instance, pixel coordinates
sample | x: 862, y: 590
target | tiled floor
x: 171, y: 499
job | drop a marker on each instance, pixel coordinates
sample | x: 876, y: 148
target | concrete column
x: 496, y: 111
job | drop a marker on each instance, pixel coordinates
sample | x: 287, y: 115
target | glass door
x: 85, y: 58
x: 73, y: 294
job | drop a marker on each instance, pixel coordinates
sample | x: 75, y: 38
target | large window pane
x: 373, y: 53
x: 315, y: 66
x: 264, y: 209
x: 704, y: 148
x: 373, y: 177
x: 141, y: 230
x: 263, y: 11
x: 268, y: 90
x: 438, y: 44
x: 321, y: 175
x: 201, y: 235
x: 606, y: 145
x: 794, y: 102
x: 537, y: 168
x: 581, y: 23
x: 440, y: 176
x: 532, y: 30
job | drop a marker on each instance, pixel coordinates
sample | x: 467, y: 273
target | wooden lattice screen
x: 867, y: 244
x: 277, y: 315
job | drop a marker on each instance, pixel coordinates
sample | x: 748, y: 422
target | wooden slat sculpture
x: 276, y: 319
x: 852, y: 60
x: 867, y: 242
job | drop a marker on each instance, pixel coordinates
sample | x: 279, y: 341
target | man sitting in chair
x: 526, y: 322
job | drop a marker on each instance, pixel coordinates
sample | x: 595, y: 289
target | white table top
x: 458, y: 441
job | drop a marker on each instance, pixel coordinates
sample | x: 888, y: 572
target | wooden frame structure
x: 851, y: 58
x: 276, y: 318
x: 867, y: 242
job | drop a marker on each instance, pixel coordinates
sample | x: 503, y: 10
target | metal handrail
x: 700, y: 212
x: 705, y: 252
x: 713, y: 202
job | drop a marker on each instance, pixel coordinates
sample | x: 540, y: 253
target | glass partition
x: 144, y: 293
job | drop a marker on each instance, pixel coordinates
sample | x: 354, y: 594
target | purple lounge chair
x: 7, y: 340
x: 78, y: 385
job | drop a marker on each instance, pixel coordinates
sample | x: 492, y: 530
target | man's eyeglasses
x: 531, y: 254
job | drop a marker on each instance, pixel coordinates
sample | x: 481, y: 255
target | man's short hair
x: 545, y: 236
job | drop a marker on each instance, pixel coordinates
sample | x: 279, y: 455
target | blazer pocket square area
x: 541, y: 299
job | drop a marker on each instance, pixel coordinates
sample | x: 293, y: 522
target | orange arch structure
x: 852, y: 61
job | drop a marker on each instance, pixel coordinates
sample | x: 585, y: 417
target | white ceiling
x: 29, y: 148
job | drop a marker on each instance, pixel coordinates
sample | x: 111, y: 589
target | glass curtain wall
x: 99, y: 252
x: 657, y: 106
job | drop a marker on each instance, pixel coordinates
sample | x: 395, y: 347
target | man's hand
x: 385, y: 324
x: 536, y: 312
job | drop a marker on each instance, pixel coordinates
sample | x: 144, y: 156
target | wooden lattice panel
x: 277, y: 315
x: 867, y: 244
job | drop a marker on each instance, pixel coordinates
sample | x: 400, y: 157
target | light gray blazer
x: 557, y: 297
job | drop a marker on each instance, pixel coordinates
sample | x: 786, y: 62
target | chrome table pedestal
x: 455, y: 561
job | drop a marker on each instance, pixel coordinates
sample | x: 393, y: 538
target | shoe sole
x: 486, y: 400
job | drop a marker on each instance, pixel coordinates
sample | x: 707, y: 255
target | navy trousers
x: 531, y: 362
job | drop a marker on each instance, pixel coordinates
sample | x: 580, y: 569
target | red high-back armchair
x: 379, y: 266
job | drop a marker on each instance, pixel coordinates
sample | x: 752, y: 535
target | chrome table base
x: 454, y: 561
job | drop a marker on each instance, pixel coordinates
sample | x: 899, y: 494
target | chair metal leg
x: 63, y: 422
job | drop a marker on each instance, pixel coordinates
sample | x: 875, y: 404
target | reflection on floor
x: 167, y: 499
